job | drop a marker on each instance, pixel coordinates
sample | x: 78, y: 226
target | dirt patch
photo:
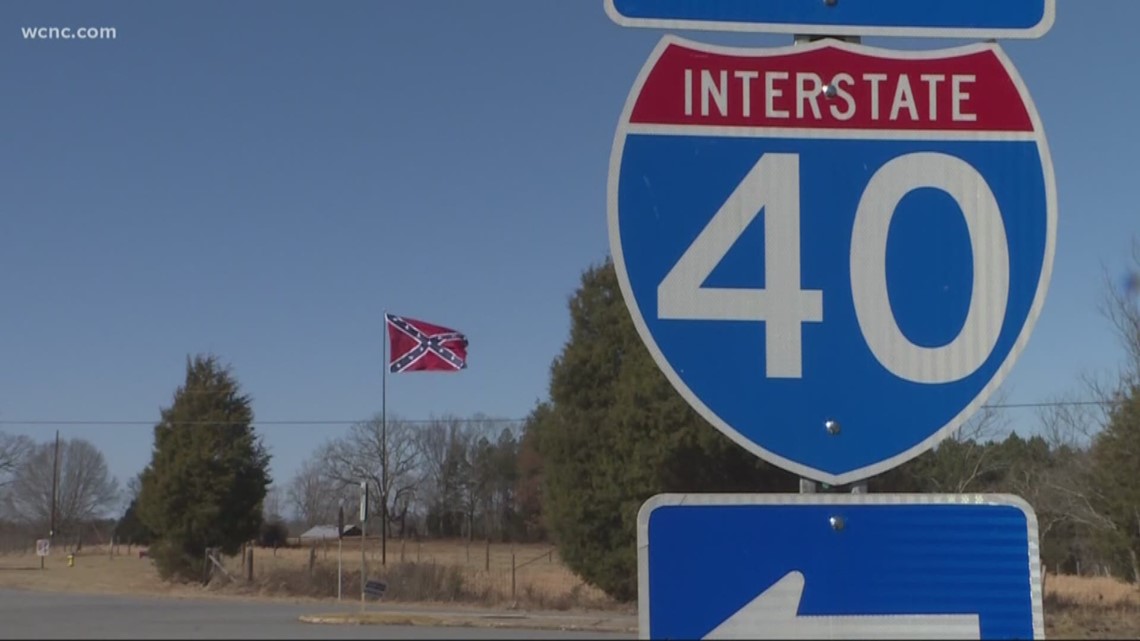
x: 1091, y: 622
x: 487, y: 621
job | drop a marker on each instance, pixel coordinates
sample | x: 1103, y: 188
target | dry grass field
x: 94, y: 571
x: 431, y: 571
x: 1091, y: 608
x: 435, y: 571
x: 454, y: 571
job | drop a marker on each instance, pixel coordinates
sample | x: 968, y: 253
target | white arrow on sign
x: 773, y: 615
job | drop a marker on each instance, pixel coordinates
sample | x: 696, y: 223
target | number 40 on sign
x: 772, y: 186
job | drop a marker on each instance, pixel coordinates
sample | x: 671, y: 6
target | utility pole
x: 384, y: 492
x: 54, y: 487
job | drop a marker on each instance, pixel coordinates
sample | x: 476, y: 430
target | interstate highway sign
x: 834, y: 253
x: 839, y: 566
x: 931, y: 18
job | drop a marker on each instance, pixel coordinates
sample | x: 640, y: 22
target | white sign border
x: 1036, y: 584
x: 806, y: 471
x: 1037, y: 31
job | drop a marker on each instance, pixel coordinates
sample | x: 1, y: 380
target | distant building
x: 328, y: 532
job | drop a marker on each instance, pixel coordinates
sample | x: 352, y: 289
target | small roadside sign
x: 363, y: 501
x: 43, y: 547
x: 375, y: 589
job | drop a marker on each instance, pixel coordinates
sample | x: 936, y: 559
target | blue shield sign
x: 838, y: 566
x: 930, y: 18
x: 834, y: 253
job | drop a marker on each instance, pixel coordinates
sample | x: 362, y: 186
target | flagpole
x: 384, y: 451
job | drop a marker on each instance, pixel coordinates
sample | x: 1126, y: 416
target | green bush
x: 177, y: 563
x: 274, y: 534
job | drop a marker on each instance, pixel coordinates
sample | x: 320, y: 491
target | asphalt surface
x: 48, y: 615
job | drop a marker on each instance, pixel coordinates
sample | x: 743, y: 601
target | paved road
x: 45, y: 615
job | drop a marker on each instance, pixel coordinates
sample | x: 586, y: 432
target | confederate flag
x: 420, y: 346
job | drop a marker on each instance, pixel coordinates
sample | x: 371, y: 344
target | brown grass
x: 449, y: 571
x: 94, y: 571
x: 1091, y: 608
x: 432, y: 571
x: 455, y: 572
x: 1092, y: 591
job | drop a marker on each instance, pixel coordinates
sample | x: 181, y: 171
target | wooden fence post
x: 249, y: 566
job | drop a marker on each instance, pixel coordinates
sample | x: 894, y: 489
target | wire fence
x: 530, y: 576
x: 522, y: 575
x: 19, y: 539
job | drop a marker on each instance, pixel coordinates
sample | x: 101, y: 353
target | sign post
x: 835, y: 253
x: 363, y: 540
x: 43, y: 549
x: 339, y: 549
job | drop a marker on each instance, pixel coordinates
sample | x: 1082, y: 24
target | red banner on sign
x: 831, y: 87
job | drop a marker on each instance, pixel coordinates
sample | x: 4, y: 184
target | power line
x: 1003, y: 406
x: 424, y: 421
x: 315, y: 422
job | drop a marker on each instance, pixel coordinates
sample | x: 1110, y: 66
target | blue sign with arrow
x: 932, y: 18
x: 840, y: 566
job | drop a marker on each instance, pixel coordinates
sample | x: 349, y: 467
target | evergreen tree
x: 130, y: 528
x: 1116, y: 456
x: 208, y: 475
x: 614, y: 433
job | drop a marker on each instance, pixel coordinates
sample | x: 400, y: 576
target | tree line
x: 445, y: 477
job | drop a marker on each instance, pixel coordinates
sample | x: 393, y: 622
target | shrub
x: 273, y: 534
x: 175, y: 562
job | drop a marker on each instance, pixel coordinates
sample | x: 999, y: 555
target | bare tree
x: 1069, y: 491
x: 443, y: 445
x: 134, y: 486
x: 1121, y: 307
x: 272, y: 506
x: 14, y: 448
x: 385, y: 457
x: 1061, y: 493
x: 313, y: 494
x: 963, y: 461
x: 85, y: 490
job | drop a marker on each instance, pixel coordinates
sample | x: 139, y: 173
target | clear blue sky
x: 263, y: 180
